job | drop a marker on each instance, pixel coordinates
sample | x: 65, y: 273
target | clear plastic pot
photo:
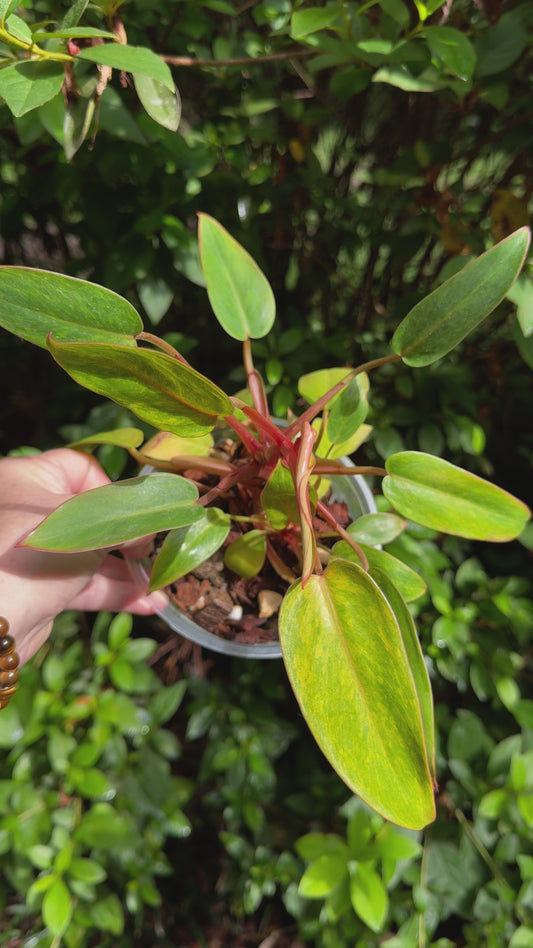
x: 353, y: 491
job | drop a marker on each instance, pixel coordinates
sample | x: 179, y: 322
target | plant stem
x: 239, y: 60
x: 376, y: 363
x: 164, y: 346
x: 329, y: 518
x: 329, y: 468
x: 255, y: 382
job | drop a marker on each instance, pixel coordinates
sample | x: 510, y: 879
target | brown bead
x: 8, y: 678
x: 4, y: 626
x: 7, y: 644
x: 5, y: 695
x: 10, y: 660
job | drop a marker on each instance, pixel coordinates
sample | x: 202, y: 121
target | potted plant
x: 348, y: 639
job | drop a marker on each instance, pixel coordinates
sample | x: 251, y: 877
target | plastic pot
x: 353, y: 491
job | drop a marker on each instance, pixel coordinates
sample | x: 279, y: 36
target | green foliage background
x: 360, y: 155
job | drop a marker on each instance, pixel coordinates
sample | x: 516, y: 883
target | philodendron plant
x: 348, y: 639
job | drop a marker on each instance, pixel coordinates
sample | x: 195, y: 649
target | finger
x: 112, y: 588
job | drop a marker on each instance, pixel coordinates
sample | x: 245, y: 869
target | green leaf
x: 26, y: 86
x: 120, y: 437
x: 87, y: 870
x: 501, y: 45
x: 278, y: 498
x: 398, y: 75
x: 184, y: 549
x: 348, y: 409
x: 156, y: 296
x: 156, y: 387
x: 439, y: 495
x: 76, y: 125
x: 376, y: 528
x: 441, y: 320
x: 451, y: 48
x: 107, y: 914
x: 239, y: 292
x: 162, y: 104
x: 409, y: 583
x: 347, y: 665
x: 57, y: 908
x: 305, y: 22
x: 315, y: 384
x: 369, y: 896
x: 521, y: 294
x: 323, y: 876
x: 136, y: 59
x: 414, y: 658
x: 34, y: 303
x: 102, y: 827
x: 7, y: 7
x: 166, y: 701
x: 77, y: 32
x: 427, y: 7
x: 113, y: 514
x: 18, y: 28
x: 246, y: 555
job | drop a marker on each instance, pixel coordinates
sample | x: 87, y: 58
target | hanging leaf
x: 157, y: 388
x: 348, y: 667
x: 439, y: 495
x: 440, y: 321
x: 162, y: 104
x: 239, y: 292
x: 57, y: 907
x: 187, y: 547
x: 76, y: 125
x: 34, y: 303
x: 246, y: 555
x: 116, y: 513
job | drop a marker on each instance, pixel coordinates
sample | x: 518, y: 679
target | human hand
x: 36, y: 586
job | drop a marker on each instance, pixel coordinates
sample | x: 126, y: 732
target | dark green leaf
x: 76, y: 125
x: 26, y: 86
x: 453, y: 49
x: 305, y: 22
x: 239, y: 292
x: 157, y: 388
x: 111, y: 515
x: 135, y: 59
x: 440, y: 321
x: 161, y: 103
x: 185, y: 549
x: 34, y: 303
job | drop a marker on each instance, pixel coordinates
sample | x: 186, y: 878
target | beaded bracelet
x: 9, y: 664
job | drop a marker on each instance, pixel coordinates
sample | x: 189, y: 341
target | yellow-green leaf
x: 439, y: 495
x: 347, y: 664
x: 156, y: 387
